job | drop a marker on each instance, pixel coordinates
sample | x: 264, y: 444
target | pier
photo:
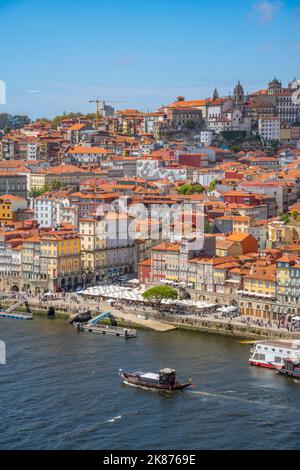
x: 109, y: 330
x: 16, y: 316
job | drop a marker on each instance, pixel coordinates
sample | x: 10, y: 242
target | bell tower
x: 239, y: 97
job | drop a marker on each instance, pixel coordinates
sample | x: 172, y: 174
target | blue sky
x: 57, y: 55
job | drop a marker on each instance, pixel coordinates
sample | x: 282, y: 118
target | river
x: 60, y: 390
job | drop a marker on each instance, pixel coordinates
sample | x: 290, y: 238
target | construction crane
x: 97, y: 101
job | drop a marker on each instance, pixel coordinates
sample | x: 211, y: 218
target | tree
x: 274, y: 146
x: 35, y: 192
x: 188, y: 189
x: 90, y: 116
x: 55, y: 185
x: 285, y: 218
x: 43, y: 120
x: 212, y: 185
x: 158, y: 293
x: 57, y: 119
x: 234, y: 137
x: 294, y: 214
x: 190, y: 124
x: 5, y: 120
x: 19, y: 121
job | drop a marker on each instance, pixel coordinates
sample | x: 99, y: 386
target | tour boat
x: 272, y: 353
x: 164, y: 380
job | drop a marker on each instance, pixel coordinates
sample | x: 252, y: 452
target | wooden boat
x: 164, y: 380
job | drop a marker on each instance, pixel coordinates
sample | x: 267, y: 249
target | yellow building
x: 228, y: 248
x: 240, y: 223
x: 93, y: 245
x: 285, y: 133
x: 60, y: 259
x: 280, y: 233
x: 288, y: 280
x: 261, y: 280
x: 9, y: 205
x: 36, y: 181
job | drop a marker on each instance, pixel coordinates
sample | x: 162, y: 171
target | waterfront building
x: 60, y: 259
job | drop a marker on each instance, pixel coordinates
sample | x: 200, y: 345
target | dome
x: 239, y: 88
x: 275, y: 83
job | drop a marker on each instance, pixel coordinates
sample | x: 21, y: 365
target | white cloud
x: 33, y: 91
x: 266, y: 10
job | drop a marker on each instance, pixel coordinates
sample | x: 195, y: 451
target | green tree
x: 43, y: 120
x: 212, y: 185
x: 294, y: 214
x: 55, y: 185
x: 190, y: 124
x: 57, y: 119
x: 158, y: 293
x: 35, y: 192
x: 285, y: 218
x: 5, y: 120
x: 90, y: 116
x: 188, y: 189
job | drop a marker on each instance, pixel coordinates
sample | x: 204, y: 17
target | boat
x: 271, y: 353
x: 164, y: 380
x: 81, y: 317
x: 291, y: 367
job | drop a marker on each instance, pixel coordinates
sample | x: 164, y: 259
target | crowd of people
x: 72, y: 301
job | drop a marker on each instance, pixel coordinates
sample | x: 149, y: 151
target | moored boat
x: 164, y: 380
x: 271, y: 354
x: 291, y: 367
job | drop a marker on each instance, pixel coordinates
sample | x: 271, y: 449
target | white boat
x: 271, y: 353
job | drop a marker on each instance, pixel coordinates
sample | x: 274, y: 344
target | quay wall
x: 224, y: 328
x: 203, y: 325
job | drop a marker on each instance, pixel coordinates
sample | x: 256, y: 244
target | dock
x: 108, y: 330
x: 16, y: 316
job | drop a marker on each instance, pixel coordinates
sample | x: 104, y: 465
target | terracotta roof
x: 76, y: 127
x: 167, y: 247
x: 88, y: 150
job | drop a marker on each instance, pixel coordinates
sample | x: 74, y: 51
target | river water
x: 60, y: 390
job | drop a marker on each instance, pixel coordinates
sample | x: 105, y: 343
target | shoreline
x: 200, y: 325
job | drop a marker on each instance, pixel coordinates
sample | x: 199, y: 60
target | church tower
x: 215, y: 94
x: 239, y: 97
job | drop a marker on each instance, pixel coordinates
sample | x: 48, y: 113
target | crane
x: 97, y: 101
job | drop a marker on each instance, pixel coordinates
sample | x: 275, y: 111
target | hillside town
x: 202, y: 195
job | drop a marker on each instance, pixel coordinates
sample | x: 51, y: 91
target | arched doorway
x: 14, y: 288
x: 69, y: 283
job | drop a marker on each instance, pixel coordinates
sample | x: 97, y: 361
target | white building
x: 86, y: 155
x: 51, y: 212
x: 206, y: 137
x: 269, y: 128
x: 31, y: 151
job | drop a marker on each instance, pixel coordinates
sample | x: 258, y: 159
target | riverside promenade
x: 159, y: 321
x: 73, y: 304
